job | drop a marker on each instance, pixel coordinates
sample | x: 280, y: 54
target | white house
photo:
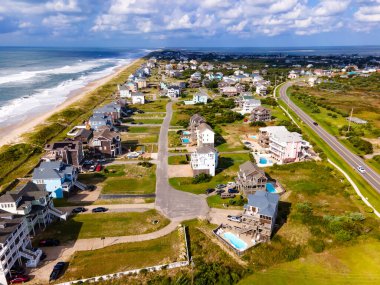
x: 200, y: 98
x: 138, y: 98
x: 248, y: 103
x: 173, y: 91
x: 293, y: 75
x: 205, y: 135
x: 261, y: 90
x: 284, y: 146
x: 204, y: 160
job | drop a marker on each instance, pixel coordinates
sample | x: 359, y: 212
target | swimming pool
x: 254, y: 137
x: 186, y: 133
x: 185, y: 140
x: 235, y: 241
x: 270, y: 188
x: 263, y: 160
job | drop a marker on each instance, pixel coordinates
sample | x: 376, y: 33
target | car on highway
x: 57, y: 270
x: 21, y: 278
x: 99, y: 210
x: 78, y: 210
x: 234, y: 218
x: 49, y: 242
x: 315, y: 123
x: 361, y: 169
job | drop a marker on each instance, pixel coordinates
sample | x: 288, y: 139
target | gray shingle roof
x: 266, y: 202
x: 52, y: 170
x: 205, y: 149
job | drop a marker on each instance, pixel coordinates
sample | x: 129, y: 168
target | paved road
x: 175, y: 204
x: 353, y: 160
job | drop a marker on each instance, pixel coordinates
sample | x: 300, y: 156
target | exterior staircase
x: 33, y: 257
x: 57, y: 213
x: 80, y: 185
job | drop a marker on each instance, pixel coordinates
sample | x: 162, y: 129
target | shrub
x: 145, y: 164
x: 258, y: 124
x: 317, y: 245
x: 201, y: 178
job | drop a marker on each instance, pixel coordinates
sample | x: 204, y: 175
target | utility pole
x: 349, y: 121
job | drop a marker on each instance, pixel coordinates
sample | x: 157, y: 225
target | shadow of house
x: 219, y: 140
x: 283, y: 212
x: 129, y: 145
x: 224, y: 163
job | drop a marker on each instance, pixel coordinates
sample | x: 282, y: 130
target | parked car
x: 361, y: 169
x: 78, y: 210
x: 21, y: 278
x: 49, y: 242
x: 57, y: 270
x: 98, y: 167
x: 102, y: 160
x: 140, y: 111
x: 133, y: 123
x: 233, y: 191
x: 92, y: 168
x: 209, y: 190
x: 315, y: 123
x: 90, y: 187
x: 220, y: 186
x: 141, y: 123
x: 99, y: 210
x: 17, y: 270
x: 247, y: 143
x: 219, y: 191
x: 234, y: 218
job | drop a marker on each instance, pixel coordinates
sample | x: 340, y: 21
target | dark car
x: 79, y: 210
x: 133, y: 123
x: 57, y: 270
x: 140, y: 111
x: 19, y: 279
x: 99, y: 210
x: 90, y: 187
x: 17, y: 271
x: 219, y: 191
x: 233, y: 191
x: 49, y: 242
x: 315, y: 123
x: 43, y: 256
x: 209, y: 190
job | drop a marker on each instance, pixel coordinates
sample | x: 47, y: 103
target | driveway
x: 174, y: 204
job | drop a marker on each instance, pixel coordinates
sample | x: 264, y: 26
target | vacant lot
x: 136, y: 138
x: 155, y: 106
x: 122, y: 257
x: 136, y: 180
x: 143, y: 129
x: 179, y: 159
x: 97, y: 225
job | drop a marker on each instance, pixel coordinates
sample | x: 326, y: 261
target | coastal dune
x: 13, y: 133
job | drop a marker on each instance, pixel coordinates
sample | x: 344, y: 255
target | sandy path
x: 12, y: 134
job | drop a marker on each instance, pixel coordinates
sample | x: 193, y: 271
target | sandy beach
x: 12, y: 133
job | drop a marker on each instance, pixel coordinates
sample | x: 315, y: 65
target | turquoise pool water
x: 263, y: 160
x: 253, y: 137
x: 186, y: 133
x: 270, y: 188
x: 185, y: 140
x: 235, y: 241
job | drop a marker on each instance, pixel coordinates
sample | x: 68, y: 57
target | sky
x: 189, y: 23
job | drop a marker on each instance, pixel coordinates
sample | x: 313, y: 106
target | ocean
x: 32, y: 78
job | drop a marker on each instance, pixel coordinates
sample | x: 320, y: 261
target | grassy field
x: 149, y: 121
x: 83, y: 226
x: 154, y: 106
x: 122, y: 257
x: 178, y: 159
x: 174, y: 139
x: 136, y: 180
x: 178, y: 116
x: 136, y: 138
x: 358, y: 264
x: 230, y: 138
x: 143, y: 129
x: 227, y: 169
x: 214, y: 201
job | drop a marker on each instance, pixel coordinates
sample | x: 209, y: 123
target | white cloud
x: 369, y: 13
x: 331, y: 7
x: 63, y: 6
x: 61, y: 21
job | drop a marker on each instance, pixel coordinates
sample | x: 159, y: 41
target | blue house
x: 100, y: 120
x: 56, y: 176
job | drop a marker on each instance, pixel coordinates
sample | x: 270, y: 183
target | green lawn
x: 214, y: 201
x: 375, y: 163
x: 178, y: 116
x: 149, y: 121
x: 137, y: 180
x: 143, y: 129
x: 97, y: 225
x: 174, y: 139
x: 122, y: 257
x: 155, y: 106
x: 228, y: 166
x: 178, y: 159
x: 135, y: 138
x: 358, y: 264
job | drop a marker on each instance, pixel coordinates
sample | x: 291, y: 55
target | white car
x: 361, y: 169
x: 234, y: 218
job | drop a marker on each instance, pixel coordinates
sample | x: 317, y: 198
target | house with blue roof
x: 259, y: 215
x: 56, y: 176
x: 98, y: 120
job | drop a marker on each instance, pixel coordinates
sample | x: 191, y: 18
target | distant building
x: 70, y: 152
x: 204, y: 160
x: 173, y: 91
x: 356, y: 120
x: 97, y: 121
x: 229, y: 91
x: 200, y: 98
x: 260, y: 114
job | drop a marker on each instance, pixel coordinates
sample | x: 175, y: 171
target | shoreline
x: 12, y: 133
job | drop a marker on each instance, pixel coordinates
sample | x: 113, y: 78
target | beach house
x: 57, y: 176
x: 173, y: 91
x: 200, y: 97
x: 205, y: 135
x: 138, y: 98
x: 69, y: 152
x: 111, y: 110
x: 106, y: 142
x: 100, y: 120
x: 284, y: 146
x: 204, y: 160
x: 260, y: 114
x: 250, y: 178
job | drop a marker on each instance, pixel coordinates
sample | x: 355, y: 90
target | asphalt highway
x: 372, y: 177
